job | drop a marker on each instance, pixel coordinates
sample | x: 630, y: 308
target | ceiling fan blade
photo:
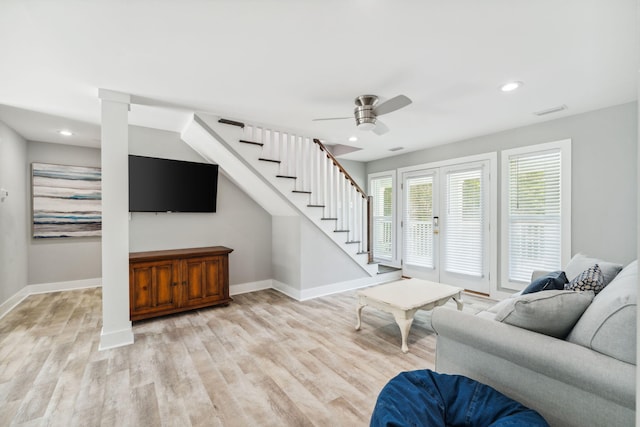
x: 393, y: 104
x: 332, y: 118
x: 380, y: 128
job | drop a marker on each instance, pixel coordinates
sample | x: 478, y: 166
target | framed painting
x: 67, y: 201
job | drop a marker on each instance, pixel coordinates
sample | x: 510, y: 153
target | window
x: 536, y: 208
x: 381, y: 188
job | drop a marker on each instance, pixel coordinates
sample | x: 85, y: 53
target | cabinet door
x: 153, y: 287
x: 205, y: 280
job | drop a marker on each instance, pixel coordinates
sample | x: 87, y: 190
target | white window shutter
x: 381, y: 189
x: 534, y: 213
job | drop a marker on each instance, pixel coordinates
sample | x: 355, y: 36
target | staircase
x: 300, y: 170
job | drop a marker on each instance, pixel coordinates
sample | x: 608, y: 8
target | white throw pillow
x: 581, y: 262
x: 552, y: 313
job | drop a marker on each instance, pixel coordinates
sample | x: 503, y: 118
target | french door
x: 445, y: 225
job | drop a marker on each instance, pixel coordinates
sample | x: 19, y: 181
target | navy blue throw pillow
x: 548, y: 282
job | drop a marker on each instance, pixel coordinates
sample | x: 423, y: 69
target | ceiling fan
x: 367, y: 111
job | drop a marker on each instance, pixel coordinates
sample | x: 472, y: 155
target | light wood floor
x: 265, y: 360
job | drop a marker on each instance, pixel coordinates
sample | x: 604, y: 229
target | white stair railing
x: 318, y: 172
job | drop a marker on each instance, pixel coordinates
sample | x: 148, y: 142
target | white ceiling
x: 285, y: 62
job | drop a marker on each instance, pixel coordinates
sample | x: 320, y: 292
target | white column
x: 116, y: 326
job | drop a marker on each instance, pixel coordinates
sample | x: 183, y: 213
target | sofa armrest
x: 563, y: 361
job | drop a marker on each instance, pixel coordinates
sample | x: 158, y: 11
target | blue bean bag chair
x: 427, y: 398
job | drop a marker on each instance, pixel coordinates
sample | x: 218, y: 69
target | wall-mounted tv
x: 164, y: 185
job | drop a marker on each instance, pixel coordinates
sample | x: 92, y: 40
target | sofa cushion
x: 608, y: 326
x: 547, y: 282
x: 591, y: 279
x: 552, y: 313
x: 581, y: 262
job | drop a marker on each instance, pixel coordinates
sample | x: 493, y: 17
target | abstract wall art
x: 67, y: 201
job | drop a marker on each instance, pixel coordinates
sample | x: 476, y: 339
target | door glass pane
x: 464, y: 226
x: 418, y: 221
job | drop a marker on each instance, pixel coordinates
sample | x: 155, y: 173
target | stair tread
x: 340, y: 231
x: 329, y: 219
x: 286, y: 176
x: 231, y: 122
x: 352, y: 241
x: 269, y: 160
x: 315, y: 206
x: 301, y: 191
x: 251, y: 142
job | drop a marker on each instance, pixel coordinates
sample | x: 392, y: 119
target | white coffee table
x: 403, y: 298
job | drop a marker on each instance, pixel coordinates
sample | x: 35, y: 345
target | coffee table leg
x: 359, y: 315
x: 404, y: 320
x: 459, y: 302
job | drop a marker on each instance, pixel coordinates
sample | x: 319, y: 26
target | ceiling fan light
x: 366, y: 126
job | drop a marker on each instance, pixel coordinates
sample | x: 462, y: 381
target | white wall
x: 305, y: 258
x: 604, y: 171
x: 323, y: 263
x: 286, y: 251
x: 14, y: 218
x: 64, y: 259
x: 357, y: 171
x: 239, y: 223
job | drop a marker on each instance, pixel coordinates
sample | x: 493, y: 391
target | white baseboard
x: 116, y: 339
x: 243, y: 288
x: 286, y: 289
x: 41, y: 288
x: 348, y: 285
x: 111, y: 340
x: 13, y: 301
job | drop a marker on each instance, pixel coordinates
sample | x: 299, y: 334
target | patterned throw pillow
x: 591, y: 279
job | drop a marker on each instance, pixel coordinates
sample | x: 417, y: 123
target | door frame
x: 492, y: 158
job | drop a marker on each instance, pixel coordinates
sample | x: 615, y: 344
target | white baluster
x: 358, y: 202
x: 330, y: 189
x: 299, y: 169
x: 286, y: 151
x: 313, y: 175
x: 363, y: 226
x: 321, y: 173
x: 303, y: 164
x: 339, y: 197
x: 267, y: 149
x: 291, y: 167
x: 354, y: 214
x: 345, y: 203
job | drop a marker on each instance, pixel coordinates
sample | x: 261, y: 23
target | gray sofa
x: 584, y: 379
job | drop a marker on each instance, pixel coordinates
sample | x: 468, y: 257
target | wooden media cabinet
x: 171, y: 281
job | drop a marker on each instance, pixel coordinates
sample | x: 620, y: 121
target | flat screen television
x: 164, y: 185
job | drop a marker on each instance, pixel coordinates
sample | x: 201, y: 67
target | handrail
x: 339, y: 166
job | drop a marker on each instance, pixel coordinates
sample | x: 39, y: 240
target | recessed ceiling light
x: 353, y: 138
x: 511, y: 86
x: 65, y: 132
